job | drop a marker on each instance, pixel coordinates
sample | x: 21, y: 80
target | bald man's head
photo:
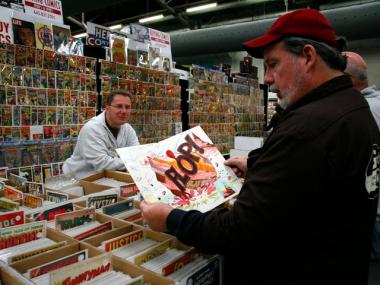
x: 357, y: 69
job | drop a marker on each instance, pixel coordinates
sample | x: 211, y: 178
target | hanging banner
x: 6, y: 35
x: 50, y: 10
x: 98, y: 35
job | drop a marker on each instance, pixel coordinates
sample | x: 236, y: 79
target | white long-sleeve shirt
x: 95, y: 149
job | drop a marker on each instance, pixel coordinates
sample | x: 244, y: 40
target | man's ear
x: 310, y: 55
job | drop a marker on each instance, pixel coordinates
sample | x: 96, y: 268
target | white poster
x: 98, y: 35
x: 6, y: 34
x: 50, y: 10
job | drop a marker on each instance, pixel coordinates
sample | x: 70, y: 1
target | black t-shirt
x: 114, y: 131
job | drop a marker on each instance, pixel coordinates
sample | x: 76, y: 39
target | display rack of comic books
x: 156, y: 96
x: 224, y: 109
x: 45, y: 98
x: 247, y: 101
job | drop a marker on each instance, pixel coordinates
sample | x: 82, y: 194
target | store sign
x: 6, y: 34
x: 98, y: 35
x: 50, y: 10
x: 159, y: 38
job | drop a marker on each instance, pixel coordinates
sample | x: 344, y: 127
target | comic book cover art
x: 22, y: 98
x: 17, y: 77
x: 91, y: 99
x: 7, y: 135
x: 6, y: 74
x: 41, y: 116
x: 44, y: 36
x: 90, y: 65
x: 36, y: 77
x: 68, y: 115
x: 34, y: 116
x: 154, y: 58
x: 49, y: 58
x: 27, y: 73
x: 16, y: 134
x: 26, y: 172
x: 55, y: 169
x: 12, y: 157
x: 60, y: 115
x: 61, y: 62
x: 90, y: 83
x: 3, y: 95
x: 37, y: 173
x: 48, y: 134
x: 132, y: 56
x: 31, y: 56
x: 25, y: 134
x: 23, y: 33
x: 61, y: 36
x: 39, y: 58
x: 30, y: 155
x: 16, y: 115
x: 32, y: 95
x: 25, y: 115
x: 185, y: 171
x: 51, y: 79
x: 49, y: 153
x: 118, y: 49
x: 52, y: 97
x: 46, y: 172
x: 20, y: 55
x: 44, y: 78
x: 41, y: 97
x: 60, y: 97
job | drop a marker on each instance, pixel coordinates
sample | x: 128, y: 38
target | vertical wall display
x: 223, y: 109
x: 45, y: 98
x: 156, y: 98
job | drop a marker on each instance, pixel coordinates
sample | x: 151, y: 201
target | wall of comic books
x: 45, y: 98
x: 224, y: 109
x: 156, y: 99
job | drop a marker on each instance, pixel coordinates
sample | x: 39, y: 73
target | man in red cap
x: 306, y: 209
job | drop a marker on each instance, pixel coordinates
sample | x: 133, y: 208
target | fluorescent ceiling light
x: 78, y: 36
x: 151, y: 19
x: 201, y: 7
x: 115, y: 27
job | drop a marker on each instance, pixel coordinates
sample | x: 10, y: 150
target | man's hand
x: 155, y: 215
x: 238, y: 165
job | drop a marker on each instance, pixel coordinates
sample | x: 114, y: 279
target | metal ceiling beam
x: 354, y: 22
x: 181, y: 17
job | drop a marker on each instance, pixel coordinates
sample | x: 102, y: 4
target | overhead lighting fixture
x: 78, y: 36
x: 201, y: 7
x: 151, y: 19
x: 115, y: 27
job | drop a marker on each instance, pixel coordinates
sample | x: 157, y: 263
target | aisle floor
x: 374, y: 273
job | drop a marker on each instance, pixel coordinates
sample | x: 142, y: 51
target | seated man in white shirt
x: 99, y: 137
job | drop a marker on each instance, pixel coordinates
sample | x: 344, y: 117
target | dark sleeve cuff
x: 174, y: 220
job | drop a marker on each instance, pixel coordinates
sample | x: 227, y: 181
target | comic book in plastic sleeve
x: 186, y: 171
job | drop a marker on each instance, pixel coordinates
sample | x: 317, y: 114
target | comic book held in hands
x: 186, y: 171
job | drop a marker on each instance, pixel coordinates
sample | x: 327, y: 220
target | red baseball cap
x: 304, y: 23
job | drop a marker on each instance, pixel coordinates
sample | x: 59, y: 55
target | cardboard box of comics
x: 180, y: 263
x: 79, y: 264
x: 124, y: 242
x: 23, y: 241
x: 115, y: 175
x: 36, y: 268
x: 81, y: 189
x: 84, y: 223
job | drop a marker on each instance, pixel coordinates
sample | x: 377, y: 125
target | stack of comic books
x: 22, y: 241
x: 81, y: 224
